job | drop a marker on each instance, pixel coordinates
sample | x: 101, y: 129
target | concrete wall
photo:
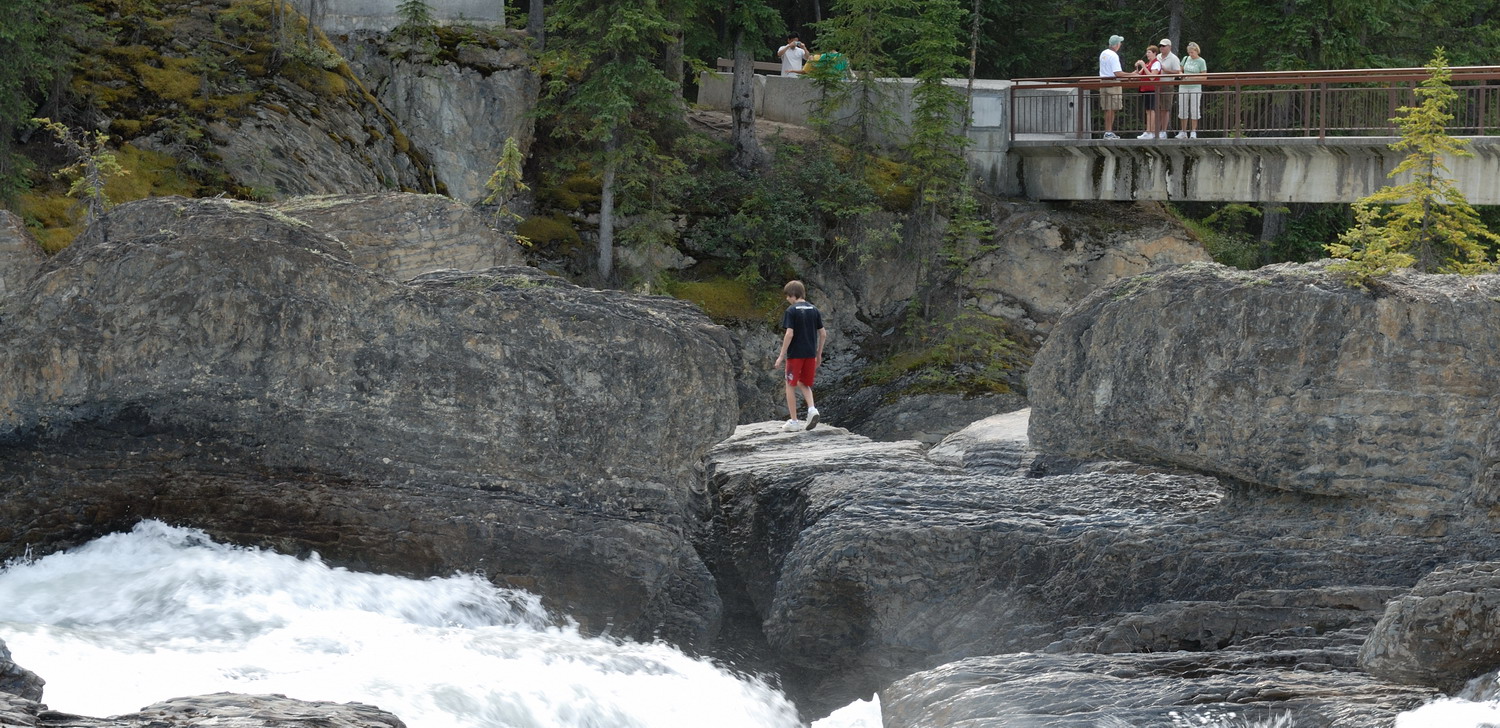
x: 344, y: 16
x: 790, y: 99
x: 1301, y: 169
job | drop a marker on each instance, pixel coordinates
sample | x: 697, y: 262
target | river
x: 162, y: 612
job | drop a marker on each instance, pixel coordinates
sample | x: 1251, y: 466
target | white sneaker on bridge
x: 1192, y: 135
x: 1182, y: 135
x: 1111, y: 135
x: 1147, y: 135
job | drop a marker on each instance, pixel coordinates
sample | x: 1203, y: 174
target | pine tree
x: 1427, y: 222
x: 93, y: 165
x: 608, y: 96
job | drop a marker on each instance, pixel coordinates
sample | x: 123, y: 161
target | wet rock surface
x: 1310, y: 686
x: 223, y: 710
x: 220, y: 365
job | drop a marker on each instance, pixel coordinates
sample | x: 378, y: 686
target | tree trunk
x: 742, y: 107
x: 973, y: 67
x: 535, y: 24
x: 1174, y: 28
x: 671, y: 60
x: 607, y: 212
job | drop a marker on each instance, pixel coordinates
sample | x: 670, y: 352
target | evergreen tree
x: 1426, y: 222
x: 608, y: 96
x: 747, y: 20
x: 37, y: 41
x: 861, y: 30
x: 93, y: 165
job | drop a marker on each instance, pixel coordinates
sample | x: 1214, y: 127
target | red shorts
x: 801, y: 371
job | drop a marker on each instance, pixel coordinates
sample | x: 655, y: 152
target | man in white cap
x: 1111, y: 98
x: 1171, y: 67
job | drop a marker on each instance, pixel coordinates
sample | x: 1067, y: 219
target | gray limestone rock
x: 1287, y: 378
x: 458, y: 111
x: 1050, y: 257
x: 221, y: 710
x: 1443, y: 633
x: 405, y: 235
x: 20, y: 256
x: 219, y: 364
x: 1309, y: 687
x: 860, y: 562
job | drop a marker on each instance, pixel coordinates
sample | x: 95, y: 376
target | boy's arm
x: 822, y: 339
x: 786, y: 341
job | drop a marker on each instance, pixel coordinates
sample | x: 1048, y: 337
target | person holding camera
x: 793, y: 55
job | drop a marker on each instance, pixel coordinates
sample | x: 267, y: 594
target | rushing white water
x: 163, y: 612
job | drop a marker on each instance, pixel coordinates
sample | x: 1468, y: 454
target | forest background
x: 618, y: 74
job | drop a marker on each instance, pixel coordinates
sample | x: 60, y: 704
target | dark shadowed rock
x: 221, y: 365
x: 17, y: 680
x: 1287, y: 378
x: 1443, y: 633
x: 404, y: 236
x: 20, y: 256
x: 222, y: 710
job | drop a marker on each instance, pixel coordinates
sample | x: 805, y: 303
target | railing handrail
x: 1269, y: 78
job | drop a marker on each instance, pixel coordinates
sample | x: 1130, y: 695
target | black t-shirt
x: 805, y: 321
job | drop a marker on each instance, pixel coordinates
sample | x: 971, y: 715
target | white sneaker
x: 1182, y: 135
x: 1147, y: 135
x: 1111, y: 135
x: 812, y: 417
x: 792, y: 426
x: 1192, y: 135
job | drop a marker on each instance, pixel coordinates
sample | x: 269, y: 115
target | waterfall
x: 161, y: 612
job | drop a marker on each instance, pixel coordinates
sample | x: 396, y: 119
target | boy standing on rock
x: 801, y: 352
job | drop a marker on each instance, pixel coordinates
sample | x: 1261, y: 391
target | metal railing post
x: 1079, y: 115
x: 1010, y: 118
x: 1322, y: 111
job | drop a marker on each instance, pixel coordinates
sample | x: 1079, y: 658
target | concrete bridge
x: 1265, y: 137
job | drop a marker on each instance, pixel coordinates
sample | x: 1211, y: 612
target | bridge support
x: 1294, y: 169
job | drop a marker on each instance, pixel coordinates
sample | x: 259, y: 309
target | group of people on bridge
x: 1157, y: 99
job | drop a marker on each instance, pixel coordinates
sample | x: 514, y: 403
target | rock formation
x: 20, y: 256
x: 225, y: 710
x: 1443, y: 633
x: 459, y: 110
x: 221, y: 365
x: 859, y: 563
x: 1287, y: 378
x: 403, y: 235
x: 1050, y: 257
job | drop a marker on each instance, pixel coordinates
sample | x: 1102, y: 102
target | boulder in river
x: 219, y: 364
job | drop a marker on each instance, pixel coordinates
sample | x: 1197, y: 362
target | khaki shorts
x: 1164, y: 98
x: 1111, y: 98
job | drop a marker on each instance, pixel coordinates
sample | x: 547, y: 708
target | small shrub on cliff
x: 1427, y: 222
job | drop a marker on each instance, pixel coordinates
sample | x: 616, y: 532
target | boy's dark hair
x: 795, y: 289
x: 793, y: 36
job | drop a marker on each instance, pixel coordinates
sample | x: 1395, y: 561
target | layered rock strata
x: 1444, y: 632
x: 221, y: 365
x: 404, y: 235
x: 1288, y: 378
x: 858, y: 563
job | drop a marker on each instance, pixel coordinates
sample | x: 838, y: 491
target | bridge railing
x: 1320, y: 104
